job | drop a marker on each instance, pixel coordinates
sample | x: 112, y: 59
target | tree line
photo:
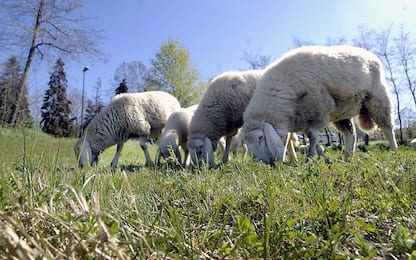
x: 54, y: 31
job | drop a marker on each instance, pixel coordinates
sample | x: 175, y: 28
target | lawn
x: 364, y: 208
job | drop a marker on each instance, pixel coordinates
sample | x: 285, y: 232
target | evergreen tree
x: 9, y: 91
x: 122, y: 88
x: 56, y: 107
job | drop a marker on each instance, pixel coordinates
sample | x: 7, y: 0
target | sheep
x: 220, y: 113
x: 413, y: 144
x: 175, y: 135
x: 129, y: 115
x: 310, y: 87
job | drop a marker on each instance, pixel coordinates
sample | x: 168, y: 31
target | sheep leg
x: 291, y: 148
x: 245, y: 149
x: 313, y: 142
x: 347, y: 128
x: 227, y: 149
x: 389, y: 133
x: 114, y: 162
x: 322, y: 154
x: 187, y: 158
x: 158, y: 155
x: 143, y: 145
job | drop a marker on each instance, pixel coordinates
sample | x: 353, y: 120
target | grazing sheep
x: 175, y: 135
x: 129, y: 115
x: 220, y: 113
x: 310, y: 87
x: 413, y: 143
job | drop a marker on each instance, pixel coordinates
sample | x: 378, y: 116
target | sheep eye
x: 260, y: 138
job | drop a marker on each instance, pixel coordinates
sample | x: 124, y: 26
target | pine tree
x: 9, y: 91
x: 56, y: 107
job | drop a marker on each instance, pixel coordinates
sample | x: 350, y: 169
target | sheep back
x: 312, y: 85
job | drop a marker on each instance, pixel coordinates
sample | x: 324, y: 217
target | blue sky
x: 217, y: 33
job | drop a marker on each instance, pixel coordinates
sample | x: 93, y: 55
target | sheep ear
x: 207, y: 145
x: 273, y: 141
x: 86, y: 153
x: 208, y: 151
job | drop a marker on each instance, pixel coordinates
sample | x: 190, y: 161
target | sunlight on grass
x: 364, y: 208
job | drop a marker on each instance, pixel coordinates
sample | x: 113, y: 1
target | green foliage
x: 56, y: 106
x: 10, y: 76
x: 172, y: 72
x: 50, y: 208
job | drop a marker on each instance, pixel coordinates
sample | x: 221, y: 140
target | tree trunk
x: 396, y: 93
x: 29, y: 60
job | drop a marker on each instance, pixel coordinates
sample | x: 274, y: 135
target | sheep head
x: 263, y: 142
x: 201, y: 151
x: 84, y: 153
x: 165, y: 151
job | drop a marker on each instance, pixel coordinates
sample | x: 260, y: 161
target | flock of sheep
x: 305, y: 90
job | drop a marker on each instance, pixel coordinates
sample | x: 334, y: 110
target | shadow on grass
x: 132, y: 167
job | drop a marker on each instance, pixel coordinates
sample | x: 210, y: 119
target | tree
x: 172, y: 72
x: 48, y: 28
x: 406, y: 58
x: 380, y: 43
x: 122, y: 88
x: 56, y: 107
x: 94, y: 106
x: 9, y: 91
x: 256, y: 61
x: 134, y: 73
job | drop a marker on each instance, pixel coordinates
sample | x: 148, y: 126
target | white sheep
x: 310, y: 87
x: 413, y: 144
x: 129, y: 115
x: 175, y: 135
x: 220, y: 113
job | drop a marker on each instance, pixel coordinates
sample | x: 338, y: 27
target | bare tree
x: 134, y: 73
x: 46, y: 28
x: 406, y: 49
x: 255, y: 60
x: 380, y: 43
x: 298, y: 42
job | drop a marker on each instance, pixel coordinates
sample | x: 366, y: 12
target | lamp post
x: 82, y: 101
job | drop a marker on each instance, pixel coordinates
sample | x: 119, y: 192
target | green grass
x: 364, y: 208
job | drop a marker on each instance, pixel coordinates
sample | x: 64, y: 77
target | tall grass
x: 364, y: 208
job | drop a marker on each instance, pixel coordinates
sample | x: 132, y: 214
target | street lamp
x: 82, y: 101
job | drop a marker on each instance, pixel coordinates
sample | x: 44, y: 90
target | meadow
x: 50, y: 208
